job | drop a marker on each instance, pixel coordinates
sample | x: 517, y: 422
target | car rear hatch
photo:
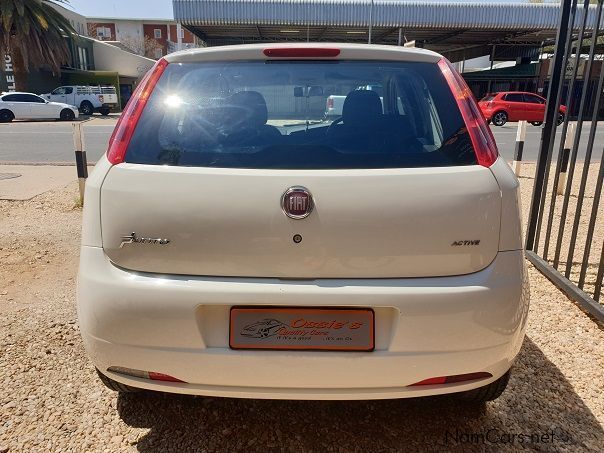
x: 199, y: 184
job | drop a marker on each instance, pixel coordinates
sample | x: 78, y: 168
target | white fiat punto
x: 237, y: 243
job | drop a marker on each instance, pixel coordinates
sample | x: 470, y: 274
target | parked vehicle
x: 25, y: 106
x: 228, y: 252
x: 89, y: 99
x: 499, y: 108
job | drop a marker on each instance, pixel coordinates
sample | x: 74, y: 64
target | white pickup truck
x: 88, y: 99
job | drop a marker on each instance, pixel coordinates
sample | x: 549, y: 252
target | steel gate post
x: 548, y: 132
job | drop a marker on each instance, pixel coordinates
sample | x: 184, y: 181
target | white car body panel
x: 425, y: 327
x: 347, y: 52
x: 392, y: 236
x: 377, y: 238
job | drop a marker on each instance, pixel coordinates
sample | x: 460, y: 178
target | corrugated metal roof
x: 355, y: 13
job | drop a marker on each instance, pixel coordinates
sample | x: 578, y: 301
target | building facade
x: 152, y: 38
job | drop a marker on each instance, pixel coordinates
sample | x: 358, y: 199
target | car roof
x: 347, y: 52
x: 518, y: 92
x: 17, y: 92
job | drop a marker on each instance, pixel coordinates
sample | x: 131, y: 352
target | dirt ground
x: 596, y: 239
x: 51, y: 399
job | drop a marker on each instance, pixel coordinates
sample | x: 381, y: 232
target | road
x: 51, y: 142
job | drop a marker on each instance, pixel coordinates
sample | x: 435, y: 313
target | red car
x: 499, y: 108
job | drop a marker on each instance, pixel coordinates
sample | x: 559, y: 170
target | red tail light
x: 163, y: 377
x: 329, y: 103
x: 118, y: 143
x: 452, y: 379
x: 302, y: 52
x: 480, y: 133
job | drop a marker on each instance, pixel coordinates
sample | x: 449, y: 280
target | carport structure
x: 460, y: 30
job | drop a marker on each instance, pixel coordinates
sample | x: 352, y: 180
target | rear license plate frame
x: 344, y: 338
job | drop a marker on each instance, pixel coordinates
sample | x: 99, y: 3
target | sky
x: 154, y: 9
x: 135, y: 9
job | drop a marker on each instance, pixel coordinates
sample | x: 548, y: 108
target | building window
x: 159, y: 53
x: 103, y: 32
x: 157, y: 33
x: 81, y: 63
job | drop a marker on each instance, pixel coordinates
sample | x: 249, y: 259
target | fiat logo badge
x: 297, y: 202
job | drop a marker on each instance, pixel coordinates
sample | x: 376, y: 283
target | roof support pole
x: 370, y: 22
x: 178, y: 35
x: 400, y: 36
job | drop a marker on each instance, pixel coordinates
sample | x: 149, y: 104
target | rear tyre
x: 104, y: 111
x: 536, y: 123
x: 66, y: 115
x: 6, y: 116
x: 116, y: 386
x: 500, y: 118
x: 489, y: 392
x: 86, y: 108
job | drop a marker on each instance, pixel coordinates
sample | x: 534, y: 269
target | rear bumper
x: 425, y: 327
x: 105, y: 106
x: 487, y: 113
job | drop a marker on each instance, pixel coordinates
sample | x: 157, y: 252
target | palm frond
x: 37, y: 31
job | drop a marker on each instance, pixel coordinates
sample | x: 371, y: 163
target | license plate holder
x: 302, y: 328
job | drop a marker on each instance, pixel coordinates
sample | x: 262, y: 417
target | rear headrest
x: 361, y: 106
x: 248, y: 109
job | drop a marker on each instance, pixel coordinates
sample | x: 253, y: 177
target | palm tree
x: 33, y: 33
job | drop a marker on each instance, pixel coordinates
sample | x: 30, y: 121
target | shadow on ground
x: 539, y: 401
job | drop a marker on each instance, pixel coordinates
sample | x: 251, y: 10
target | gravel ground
x: 51, y: 400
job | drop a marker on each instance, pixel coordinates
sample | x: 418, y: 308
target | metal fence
x: 565, y: 227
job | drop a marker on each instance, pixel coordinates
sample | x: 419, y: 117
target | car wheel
x: 66, y: 115
x: 116, y: 386
x: 536, y: 123
x: 6, y: 116
x: 500, y: 118
x: 489, y: 392
x: 104, y: 111
x: 86, y: 108
x: 560, y: 119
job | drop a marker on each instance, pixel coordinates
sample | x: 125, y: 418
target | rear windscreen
x: 302, y: 115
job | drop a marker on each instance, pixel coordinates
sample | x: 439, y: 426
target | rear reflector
x: 124, y: 129
x: 163, y: 377
x: 480, y: 133
x: 301, y: 52
x: 144, y: 374
x: 452, y: 379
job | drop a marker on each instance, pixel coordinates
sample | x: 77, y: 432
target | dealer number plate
x: 327, y: 329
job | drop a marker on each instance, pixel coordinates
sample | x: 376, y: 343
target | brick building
x: 152, y: 38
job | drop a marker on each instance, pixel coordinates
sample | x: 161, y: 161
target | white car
x: 26, y: 106
x: 231, y: 247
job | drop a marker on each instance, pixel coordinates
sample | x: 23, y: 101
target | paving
x: 22, y: 182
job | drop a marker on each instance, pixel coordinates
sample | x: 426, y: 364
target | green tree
x: 33, y: 33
